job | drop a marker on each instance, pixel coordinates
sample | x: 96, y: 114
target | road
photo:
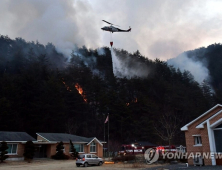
x: 50, y: 164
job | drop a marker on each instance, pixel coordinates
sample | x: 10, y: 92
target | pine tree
x: 3, y: 152
x: 73, y: 151
x: 59, y: 152
x: 59, y: 149
x: 208, y: 93
x: 29, y: 151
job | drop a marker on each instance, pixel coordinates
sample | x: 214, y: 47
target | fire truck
x: 165, y: 149
x: 136, y: 147
x: 140, y: 148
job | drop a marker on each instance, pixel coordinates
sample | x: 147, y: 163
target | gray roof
x: 64, y: 137
x: 15, y: 136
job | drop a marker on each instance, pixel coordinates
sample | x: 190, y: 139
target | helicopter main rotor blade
x: 107, y: 22
x: 110, y: 23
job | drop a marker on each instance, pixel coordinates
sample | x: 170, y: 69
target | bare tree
x: 114, y: 147
x: 168, y: 126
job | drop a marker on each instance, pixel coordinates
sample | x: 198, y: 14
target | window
x: 197, y: 140
x: 79, y: 147
x: 93, y: 147
x: 88, y: 156
x: 64, y: 148
x: 81, y: 156
x: 94, y: 156
x: 12, y: 148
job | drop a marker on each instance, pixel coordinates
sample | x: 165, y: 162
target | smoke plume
x: 160, y: 29
x: 64, y: 23
x: 196, y: 68
x: 126, y: 66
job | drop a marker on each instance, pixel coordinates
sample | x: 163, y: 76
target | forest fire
x: 80, y: 90
x: 133, y: 101
x: 67, y: 87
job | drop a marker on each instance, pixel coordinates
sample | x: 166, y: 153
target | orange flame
x: 133, y: 101
x: 80, y: 90
x: 67, y: 87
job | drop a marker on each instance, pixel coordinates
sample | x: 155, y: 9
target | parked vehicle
x: 165, y: 149
x: 131, y: 149
x: 136, y: 147
x: 88, y: 159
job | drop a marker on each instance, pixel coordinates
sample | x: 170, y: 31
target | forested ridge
x: 211, y: 57
x: 41, y: 90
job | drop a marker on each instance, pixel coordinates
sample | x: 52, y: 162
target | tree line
x: 41, y: 90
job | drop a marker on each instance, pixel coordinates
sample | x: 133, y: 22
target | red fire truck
x: 140, y: 148
x: 164, y: 149
x: 136, y: 147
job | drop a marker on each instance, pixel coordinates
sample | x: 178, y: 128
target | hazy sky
x: 160, y: 28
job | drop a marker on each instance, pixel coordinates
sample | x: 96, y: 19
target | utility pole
x: 104, y: 127
x: 104, y: 151
x: 108, y: 134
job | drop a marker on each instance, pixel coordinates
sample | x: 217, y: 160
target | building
x: 204, y: 135
x: 46, y: 144
x: 16, y: 143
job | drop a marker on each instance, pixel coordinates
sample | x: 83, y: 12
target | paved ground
x: 183, y: 167
x: 50, y: 164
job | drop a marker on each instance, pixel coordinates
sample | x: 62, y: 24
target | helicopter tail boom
x: 119, y: 30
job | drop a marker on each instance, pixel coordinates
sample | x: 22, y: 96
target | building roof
x: 184, y: 128
x: 15, y: 136
x: 57, y: 137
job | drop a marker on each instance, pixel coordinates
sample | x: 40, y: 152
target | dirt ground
x: 49, y: 164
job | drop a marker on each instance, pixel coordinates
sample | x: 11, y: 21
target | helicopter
x: 112, y: 29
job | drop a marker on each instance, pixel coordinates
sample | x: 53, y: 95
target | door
x: 95, y: 159
x: 218, y: 143
x: 40, y: 151
x: 89, y: 159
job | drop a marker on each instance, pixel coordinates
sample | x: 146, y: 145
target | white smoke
x: 196, y: 68
x: 181, y: 25
x: 101, y: 51
x: 64, y: 23
x: 123, y: 66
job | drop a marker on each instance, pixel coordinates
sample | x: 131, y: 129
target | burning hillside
x: 81, y: 92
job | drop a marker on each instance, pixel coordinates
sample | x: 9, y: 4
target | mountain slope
x: 41, y: 90
x: 204, y: 64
